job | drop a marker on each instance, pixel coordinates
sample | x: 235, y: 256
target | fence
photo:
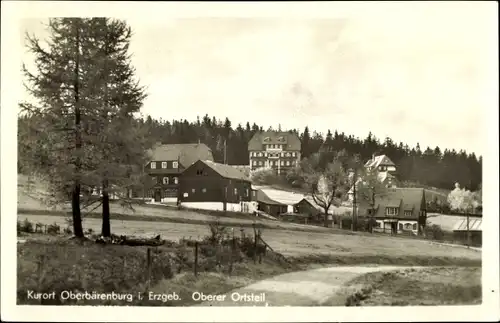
x: 217, y: 252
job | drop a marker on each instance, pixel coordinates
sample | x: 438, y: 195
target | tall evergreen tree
x: 117, y: 97
x: 59, y: 86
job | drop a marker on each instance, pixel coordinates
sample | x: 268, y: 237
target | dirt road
x: 305, y: 288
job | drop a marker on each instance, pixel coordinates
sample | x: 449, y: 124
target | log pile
x: 130, y: 241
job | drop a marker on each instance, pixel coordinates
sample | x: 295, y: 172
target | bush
x: 217, y: 233
x: 26, y: 226
x: 434, y: 232
x: 53, y: 229
x: 265, y: 175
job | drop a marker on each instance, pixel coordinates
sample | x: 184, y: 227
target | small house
x: 268, y: 205
x: 398, y: 210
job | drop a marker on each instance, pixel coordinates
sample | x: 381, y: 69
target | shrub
x: 27, y: 226
x: 434, y: 232
x: 217, y: 232
x: 265, y: 175
x: 53, y: 229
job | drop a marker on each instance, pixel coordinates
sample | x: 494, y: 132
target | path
x: 303, y: 288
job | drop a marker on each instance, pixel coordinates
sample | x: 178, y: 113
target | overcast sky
x: 416, y: 76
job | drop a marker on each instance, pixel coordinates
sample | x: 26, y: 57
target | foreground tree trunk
x: 77, y: 217
x: 106, y: 225
x: 75, y: 206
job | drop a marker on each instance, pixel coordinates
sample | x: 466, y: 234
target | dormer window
x: 391, y: 211
x: 408, y: 213
x: 267, y: 139
x: 175, y: 164
x: 153, y: 165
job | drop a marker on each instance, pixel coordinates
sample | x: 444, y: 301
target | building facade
x: 167, y: 162
x: 398, y: 210
x: 213, y: 186
x: 385, y: 169
x: 277, y: 150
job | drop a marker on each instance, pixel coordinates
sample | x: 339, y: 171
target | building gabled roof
x: 226, y: 171
x: 379, y: 160
x: 186, y: 154
x: 263, y: 198
x: 405, y: 199
x: 290, y: 140
x: 284, y: 197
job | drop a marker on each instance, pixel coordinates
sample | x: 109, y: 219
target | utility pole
x: 225, y: 155
x: 354, y: 201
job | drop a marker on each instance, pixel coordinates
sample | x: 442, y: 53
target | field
x: 287, y: 242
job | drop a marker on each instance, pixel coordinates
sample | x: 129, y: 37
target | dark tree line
x: 435, y: 167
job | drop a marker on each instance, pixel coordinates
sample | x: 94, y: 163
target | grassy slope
x: 414, y: 287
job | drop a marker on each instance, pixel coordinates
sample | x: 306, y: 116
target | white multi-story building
x: 385, y: 169
x: 277, y: 150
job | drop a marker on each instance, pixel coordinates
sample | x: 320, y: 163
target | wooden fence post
x: 233, y: 251
x: 196, y: 258
x: 40, y: 270
x: 149, y: 267
x: 254, y: 245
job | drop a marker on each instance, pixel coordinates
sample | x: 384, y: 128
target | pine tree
x: 117, y: 97
x: 59, y: 86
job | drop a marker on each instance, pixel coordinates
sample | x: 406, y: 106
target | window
x: 293, y: 154
x: 288, y: 163
x: 176, y: 180
x: 391, y: 211
x: 153, y: 165
x: 203, y: 190
x: 165, y: 180
x: 260, y: 154
x: 175, y: 164
x: 414, y: 226
x: 408, y: 213
x: 193, y: 190
x: 254, y: 163
x: 401, y: 226
x: 155, y: 179
x: 163, y: 164
x: 282, y: 154
x: 246, y: 191
x: 235, y: 191
x: 199, y: 172
x: 282, y: 163
x: 260, y: 162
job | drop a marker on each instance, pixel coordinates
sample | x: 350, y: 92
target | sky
x: 416, y: 75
